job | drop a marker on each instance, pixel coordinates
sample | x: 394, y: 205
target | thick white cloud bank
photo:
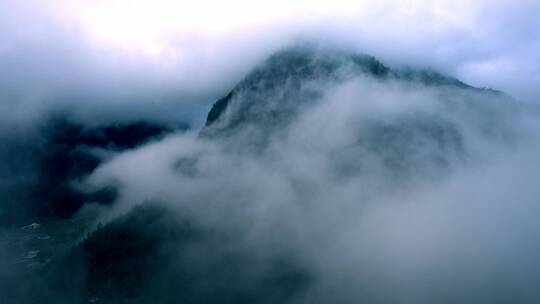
x: 453, y: 220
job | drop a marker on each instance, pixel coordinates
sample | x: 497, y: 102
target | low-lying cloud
x: 370, y: 189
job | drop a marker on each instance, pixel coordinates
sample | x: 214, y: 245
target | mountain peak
x: 294, y: 76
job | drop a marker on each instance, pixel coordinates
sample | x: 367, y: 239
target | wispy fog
x: 328, y: 177
x: 384, y: 191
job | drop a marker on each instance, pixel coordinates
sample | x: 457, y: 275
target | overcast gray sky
x: 186, y: 53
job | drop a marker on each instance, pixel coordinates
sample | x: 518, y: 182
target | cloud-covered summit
x: 359, y: 182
